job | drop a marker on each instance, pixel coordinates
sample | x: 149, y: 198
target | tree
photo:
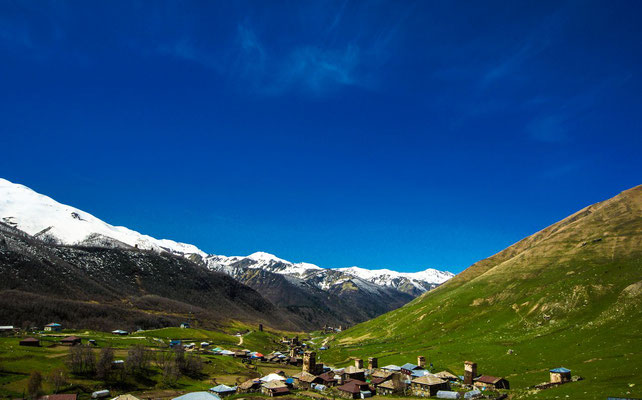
x: 34, y: 385
x: 105, y: 362
x: 138, y: 359
x: 58, y: 379
x: 170, y: 373
x: 81, y: 360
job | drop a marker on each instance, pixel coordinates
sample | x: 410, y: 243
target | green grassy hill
x: 569, y: 295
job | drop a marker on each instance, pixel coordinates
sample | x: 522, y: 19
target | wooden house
x: 53, y: 327
x: 328, y: 379
x: 493, y: 382
x: 275, y: 388
x: 70, y: 341
x: 30, y: 342
x: 304, y: 380
x: 353, y: 389
x: 250, y: 386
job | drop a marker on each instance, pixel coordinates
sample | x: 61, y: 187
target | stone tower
x: 358, y: 363
x: 373, y: 362
x: 470, y: 372
x: 310, y: 362
x: 421, y: 361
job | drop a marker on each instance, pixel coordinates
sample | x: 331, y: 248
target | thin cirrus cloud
x: 308, y: 68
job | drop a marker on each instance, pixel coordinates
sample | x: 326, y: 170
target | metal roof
x: 561, y: 370
x: 198, y: 396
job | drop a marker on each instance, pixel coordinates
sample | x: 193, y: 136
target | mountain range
x: 312, y: 296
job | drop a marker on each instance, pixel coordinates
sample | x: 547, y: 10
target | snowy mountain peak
x: 42, y: 216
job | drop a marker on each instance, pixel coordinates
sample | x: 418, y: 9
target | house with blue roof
x: 560, y: 375
x: 198, y: 396
x: 223, y: 390
x: 53, y: 327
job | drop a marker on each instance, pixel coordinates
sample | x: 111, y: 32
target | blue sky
x: 391, y: 134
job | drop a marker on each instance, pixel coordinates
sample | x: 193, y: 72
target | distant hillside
x: 102, y: 288
x: 568, y: 295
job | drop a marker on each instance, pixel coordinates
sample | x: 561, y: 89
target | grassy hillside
x: 569, y: 295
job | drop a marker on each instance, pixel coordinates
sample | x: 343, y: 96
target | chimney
x: 373, y: 362
x: 470, y: 372
x: 421, y: 361
x: 358, y: 363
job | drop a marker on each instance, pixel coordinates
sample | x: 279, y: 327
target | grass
x: 569, y: 296
x: 17, y: 362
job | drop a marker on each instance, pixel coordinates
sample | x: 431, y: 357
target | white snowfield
x: 41, y: 216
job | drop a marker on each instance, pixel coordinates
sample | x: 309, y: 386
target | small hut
x: 560, y: 375
x: 30, y: 342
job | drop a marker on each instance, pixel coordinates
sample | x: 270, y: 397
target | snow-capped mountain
x: 43, y: 217
x: 47, y: 219
x: 410, y: 282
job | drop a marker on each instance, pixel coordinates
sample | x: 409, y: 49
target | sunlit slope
x: 568, y: 295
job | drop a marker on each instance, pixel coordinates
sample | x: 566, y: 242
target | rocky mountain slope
x: 568, y: 295
x: 320, y: 296
x: 107, y: 288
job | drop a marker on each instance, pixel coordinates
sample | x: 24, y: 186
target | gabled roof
x: 488, y: 379
x: 305, y: 377
x: 198, y: 396
x: 446, y: 375
x: 381, y: 373
x: 222, y: 389
x: 70, y: 338
x: 53, y: 324
x: 30, y: 339
x: 272, y: 377
x: 328, y: 376
x: 410, y: 366
x: 274, y: 384
x: 428, y: 380
x: 389, y: 384
x: 392, y: 367
x: 121, y: 397
x: 561, y: 370
x: 352, y: 386
x: 249, y: 384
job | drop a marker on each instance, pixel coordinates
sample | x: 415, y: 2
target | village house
x: 71, y: 341
x: 428, y: 385
x: 185, y: 325
x: 223, y: 390
x: 30, y: 342
x: 198, y: 396
x: 53, y: 327
x: 354, y: 389
x: 304, y: 380
x: 250, y: 386
x: 487, y: 381
x: 389, y: 388
x: 447, y: 376
x: 275, y: 388
x: 352, y: 372
x: 410, y: 369
x: 560, y: 375
x: 328, y: 379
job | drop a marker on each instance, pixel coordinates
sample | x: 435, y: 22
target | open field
x: 17, y: 362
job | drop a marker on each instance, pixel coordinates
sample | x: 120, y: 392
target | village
x: 294, y: 371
